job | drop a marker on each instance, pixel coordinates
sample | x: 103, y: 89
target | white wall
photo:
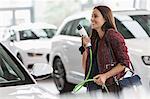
x: 54, y: 11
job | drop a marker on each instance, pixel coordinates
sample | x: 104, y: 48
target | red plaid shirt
x: 112, y: 42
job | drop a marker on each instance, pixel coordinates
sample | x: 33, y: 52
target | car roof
x: 132, y: 12
x: 38, y: 25
x: 83, y: 14
x: 87, y: 14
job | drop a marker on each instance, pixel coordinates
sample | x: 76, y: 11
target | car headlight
x: 34, y: 54
x: 146, y: 60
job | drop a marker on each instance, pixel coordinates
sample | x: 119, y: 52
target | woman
x: 109, y: 51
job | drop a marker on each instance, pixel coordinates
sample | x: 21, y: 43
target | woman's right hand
x: 100, y: 79
x: 85, y: 41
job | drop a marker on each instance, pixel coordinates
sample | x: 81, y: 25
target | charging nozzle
x: 79, y: 27
x: 83, y: 33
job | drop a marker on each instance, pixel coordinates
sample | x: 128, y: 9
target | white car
x: 66, y: 58
x: 31, y: 43
x: 15, y: 80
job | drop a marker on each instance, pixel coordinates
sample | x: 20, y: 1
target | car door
x: 70, y: 43
x: 74, y: 42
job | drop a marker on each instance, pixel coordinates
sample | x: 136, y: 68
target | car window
x: 11, y: 72
x: 27, y: 34
x: 67, y: 28
x: 144, y: 21
x: 123, y: 30
x: 85, y: 23
x: 50, y: 32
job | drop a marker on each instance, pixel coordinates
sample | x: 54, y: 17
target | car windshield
x: 27, y: 34
x: 144, y: 21
x: 36, y: 34
x: 11, y: 71
x: 44, y: 33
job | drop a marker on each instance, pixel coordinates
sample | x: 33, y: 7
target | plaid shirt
x: 111, y: 50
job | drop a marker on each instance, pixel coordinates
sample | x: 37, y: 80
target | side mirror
x: 41, y: 70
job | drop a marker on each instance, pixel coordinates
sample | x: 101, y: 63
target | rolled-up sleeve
x: 119, y: 48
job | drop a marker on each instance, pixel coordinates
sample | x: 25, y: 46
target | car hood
x: 26, y: 92
x: 139, y: 45
x: 34, y: 44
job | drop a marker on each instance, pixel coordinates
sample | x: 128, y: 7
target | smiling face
x: 97, y: 19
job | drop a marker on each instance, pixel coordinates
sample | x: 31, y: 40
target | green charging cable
x: 81, y: 84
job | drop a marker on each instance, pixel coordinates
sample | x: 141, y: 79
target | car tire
x: 19, y: 57
x: 59, y: 76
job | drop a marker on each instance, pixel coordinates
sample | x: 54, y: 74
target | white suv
x: 65, y: 57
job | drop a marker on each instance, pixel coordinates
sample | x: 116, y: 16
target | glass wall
x: 14, y: 12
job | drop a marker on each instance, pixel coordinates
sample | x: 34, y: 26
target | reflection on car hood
x: 34, y: 44
x: 25, y: 92
x: 139, y: 45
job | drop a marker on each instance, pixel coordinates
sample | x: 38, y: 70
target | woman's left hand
x: 100, y: 79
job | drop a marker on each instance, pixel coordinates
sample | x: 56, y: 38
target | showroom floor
x: 49, y: 85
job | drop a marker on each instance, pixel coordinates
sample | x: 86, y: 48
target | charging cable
x: 81, y: 84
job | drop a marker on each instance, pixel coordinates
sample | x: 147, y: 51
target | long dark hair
x: 109, y: 21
